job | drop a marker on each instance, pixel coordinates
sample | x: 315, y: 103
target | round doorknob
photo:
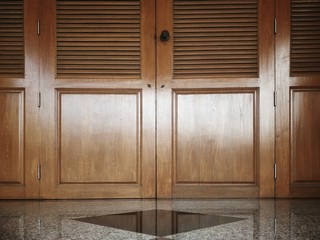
x: 165, y: 36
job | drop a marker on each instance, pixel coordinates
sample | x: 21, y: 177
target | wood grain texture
x: 100, y: 137
x: 305, y: 132
x: 297, y: 93
x: 282, y: 87
x: 266, y: 90
x: 12, y: 137
x: 164, y: 68
x: 110, y: 118
x: 204, y: 36
x: 215, y: 137
x: 185, y: 138
x: 19, y: 112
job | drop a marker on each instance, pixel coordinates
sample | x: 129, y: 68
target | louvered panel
x: 98, y: 38
x: 305, y: 37
x: 215, y: 38
x: 11, y: 38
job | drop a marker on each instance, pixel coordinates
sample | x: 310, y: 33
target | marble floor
x: 161, y: 219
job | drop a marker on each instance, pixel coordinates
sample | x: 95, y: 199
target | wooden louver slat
x: 98, y: 38
x: 305, y: 37
x: 11, y: 38
x: 215, y: 38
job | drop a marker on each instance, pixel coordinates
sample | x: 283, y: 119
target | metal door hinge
x: 38, y: 27
x: 275, y: 26
x: 275, y: 171
x: 39, y: 99
x: 275, y: 98
x: 39, y: 171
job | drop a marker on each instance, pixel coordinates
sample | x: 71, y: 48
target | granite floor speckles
x: 237, y: 219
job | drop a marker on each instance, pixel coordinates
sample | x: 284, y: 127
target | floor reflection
x: 159, y: 222
x: 171, y: 219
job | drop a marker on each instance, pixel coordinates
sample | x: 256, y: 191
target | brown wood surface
x: 215, y: 132
x: 12, y: 39
x: 305, y: 112
x: 12, y: 142
x: 99, y: 137
x: 206, y: 35
x: 297, y: 121
x: 98, y: 39
x: 209, y: 135
x: 19, y: 133
x: 99, y: 128
x: 192, y: 117
x: 305, y: 38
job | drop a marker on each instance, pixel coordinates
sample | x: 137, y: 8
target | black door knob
x: 165, y: 36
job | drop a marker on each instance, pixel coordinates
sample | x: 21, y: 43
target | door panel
x: 12, y: 133
x: 201, y: 146
x: 98, y: 85
x: 298, y: 82
x: 19, y: 74
x: 92, y: 153
x: 305, y: 110
x: 215, y: 88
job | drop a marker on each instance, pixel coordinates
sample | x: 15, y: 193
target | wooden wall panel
x: 215, y: 136
x: 99, y: 136
x: 297, y: 111
x: 11, y: 137
x: 98, y: 93
x: 305, y: 136
x: 19, y: 82
x: 221, y: 53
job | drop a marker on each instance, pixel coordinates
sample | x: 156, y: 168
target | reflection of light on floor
x: 159, y: 222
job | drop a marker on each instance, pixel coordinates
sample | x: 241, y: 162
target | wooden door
x: 298, y: 93
x: 98, y: 99
x: 19, y: 74
x: 215, y: 109
x: 86, y: 82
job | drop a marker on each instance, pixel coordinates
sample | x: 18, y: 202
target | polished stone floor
x: 162, y: 219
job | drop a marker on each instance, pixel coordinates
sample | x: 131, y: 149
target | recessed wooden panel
x: 11, y: 38
x: 215, y: 136
x: 11, y: 137
x: 99, y: 136
x: 305, y: 136
x: 98, y: 38
x: 214, y: 38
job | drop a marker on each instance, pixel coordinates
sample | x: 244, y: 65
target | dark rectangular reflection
x: 159, y: 222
